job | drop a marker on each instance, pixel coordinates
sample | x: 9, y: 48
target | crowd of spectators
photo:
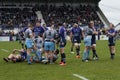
x: 11, y: 18
x: 16, y: 17
x: 82, y: 15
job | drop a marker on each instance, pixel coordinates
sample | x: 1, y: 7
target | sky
x: 111, y: 9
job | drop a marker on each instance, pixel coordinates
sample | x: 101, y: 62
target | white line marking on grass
x: 79, y: 76
x: 4, y: 50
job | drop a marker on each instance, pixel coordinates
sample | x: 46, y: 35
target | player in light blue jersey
x: 39, y: 48
x: 29, y: 41
x: 49, y: 44
x: 87, y: 42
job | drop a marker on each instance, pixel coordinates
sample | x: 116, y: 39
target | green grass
x: 104, y: 69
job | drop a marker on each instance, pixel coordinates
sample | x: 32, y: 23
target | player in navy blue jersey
x: 62, y: 34
x: 93, y: 41
x: 21, y: 35
x: 17, y: 57
x: 38, y: 29
x: 76, y: 34
x: 111, y: 40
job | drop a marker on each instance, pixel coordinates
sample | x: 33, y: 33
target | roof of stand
x: 52, y: 1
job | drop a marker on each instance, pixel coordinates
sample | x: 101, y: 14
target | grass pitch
x: 103, y: 69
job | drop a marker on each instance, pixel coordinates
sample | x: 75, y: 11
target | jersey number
x: 49, y: 33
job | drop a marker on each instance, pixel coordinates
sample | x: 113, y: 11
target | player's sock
x: 78, y: 51
x: 38, y: 54
x: 51, y: 61
x: 22, y: 45
x: 61, y: 57
x: 71, y: 49
x: 94, y: 53
x: 64, y: 57
x: 88, y: 54
x: 28, y: 58
x: 84, y: 55
x: 34, y: 58
x: 112, y: 55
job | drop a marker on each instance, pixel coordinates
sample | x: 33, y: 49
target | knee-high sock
x: 88, y: 53
x: 71, y: 48
x: 84, y: 55
x: 63, y: 57
x: 94, y: 53
x: 38, y: 54
x: 28, y: 58
x: 22, y: 45
x: 78, y: 50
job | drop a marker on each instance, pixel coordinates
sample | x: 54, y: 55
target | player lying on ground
x: 17, y: 56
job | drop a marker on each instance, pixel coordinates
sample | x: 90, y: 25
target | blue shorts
x: 29, y: 43
x: 111, y: 42
x: 93, y: 42
x: 76, y: 40
x: 87, y: 41
x: 49, y: 46
x: 24, y: 56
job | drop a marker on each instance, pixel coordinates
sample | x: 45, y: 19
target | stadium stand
x: 81, y: 14
x: 16, y: 17
x: 18, y: 14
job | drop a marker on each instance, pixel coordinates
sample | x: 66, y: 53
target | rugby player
x: 38, y: 29
x: 93, y: 41
x: 88, y: 32
x: 76, y: 34
x: 39, y: 47
x: 111, y: 40
x: 49, y: 43
x: 55, y: 56
x: 14, y: 57
x: 29, y: 41
x: 62, y: 34
x: 21, y: 35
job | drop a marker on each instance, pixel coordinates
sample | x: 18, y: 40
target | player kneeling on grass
x: 14, y: 57
x: 39, y: 45
x: 111, y: 40
x: 55, y: 57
